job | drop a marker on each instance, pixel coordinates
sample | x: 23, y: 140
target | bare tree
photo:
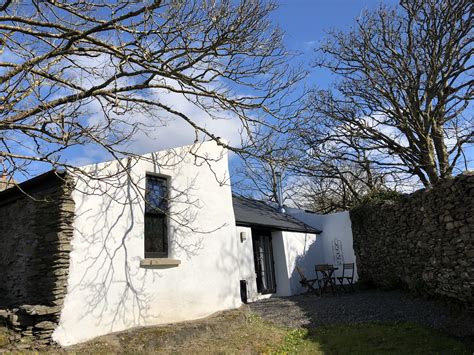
x: 324, y: 178
x: 402, y: 103
x: 328, y: 185
x: 337, y: 175
x: 77, y: 73
x: 264, y: 167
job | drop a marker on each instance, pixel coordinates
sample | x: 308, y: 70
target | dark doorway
x: 263, y: 258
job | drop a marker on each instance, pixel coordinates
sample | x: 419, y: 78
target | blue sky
x: 305, y: 23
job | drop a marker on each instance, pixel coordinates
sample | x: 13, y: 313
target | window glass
x: 156, y: 206
x: 156, y: 191
x: 156, y: 241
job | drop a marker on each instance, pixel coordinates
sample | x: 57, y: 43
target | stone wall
x: 423, y: 241
x: 36, y: 227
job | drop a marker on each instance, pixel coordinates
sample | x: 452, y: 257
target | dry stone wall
x: 423, y: 241
x: 36, y: 228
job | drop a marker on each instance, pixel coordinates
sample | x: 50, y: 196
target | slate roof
x: 254, y: 213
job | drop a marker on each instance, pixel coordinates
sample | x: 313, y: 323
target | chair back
x: 348, y: 266
x: 300, y: 271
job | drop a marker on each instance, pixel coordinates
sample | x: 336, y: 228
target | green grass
x: 3, y: 336
x: 375, y: 338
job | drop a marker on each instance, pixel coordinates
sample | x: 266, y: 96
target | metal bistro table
x: 327, y: 279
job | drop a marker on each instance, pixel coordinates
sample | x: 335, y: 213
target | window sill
x: 159, y: 263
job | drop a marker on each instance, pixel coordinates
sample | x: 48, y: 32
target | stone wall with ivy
x: 423, y: 241
x: 36, y: 228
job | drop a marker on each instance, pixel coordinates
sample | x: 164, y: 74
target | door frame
x: 257, y: 235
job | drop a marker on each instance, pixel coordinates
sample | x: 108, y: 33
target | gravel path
x: 363, y: 306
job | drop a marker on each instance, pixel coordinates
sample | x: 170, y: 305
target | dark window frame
x: 162, y: 213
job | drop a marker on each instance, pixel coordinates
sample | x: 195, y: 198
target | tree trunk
x: 429, y: 160
x: 441, y: 151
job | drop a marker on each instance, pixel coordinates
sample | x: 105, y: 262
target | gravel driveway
x: 363, y: 306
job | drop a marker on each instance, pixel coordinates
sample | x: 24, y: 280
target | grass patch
x: 235, y: 331
x: 375, y: 338
x: 3, y: 336
x: 295, y: 340
x: 240, y: 331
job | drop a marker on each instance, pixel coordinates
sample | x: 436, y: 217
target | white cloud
x: 166, y: 130
x: 171, y: 131
x: 309, y: 45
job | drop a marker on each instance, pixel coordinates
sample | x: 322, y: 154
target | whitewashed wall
x: 334, y: 226
x: 109, y: 291
x: 302, y: 250
x: 246, y: 263
x: 280, y: 258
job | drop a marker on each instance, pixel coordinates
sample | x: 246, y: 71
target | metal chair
x: 345, y: 277
x: 308, y: 283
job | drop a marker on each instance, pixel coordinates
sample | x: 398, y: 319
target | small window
x: 156, y: 209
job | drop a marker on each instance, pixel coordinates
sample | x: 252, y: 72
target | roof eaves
x: 302, y: 227
x: 276, y: 227
x: 31, y: 184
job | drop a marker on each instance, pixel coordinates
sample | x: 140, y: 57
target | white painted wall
x: 334, y: 226
x: 246, y: 263
x: 280, y: 258
x: 109, y: 291
x: 302, y: 250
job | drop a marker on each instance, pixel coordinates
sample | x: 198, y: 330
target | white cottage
x: 192, y: 250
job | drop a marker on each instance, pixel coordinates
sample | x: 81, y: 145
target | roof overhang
x: 278, y: 228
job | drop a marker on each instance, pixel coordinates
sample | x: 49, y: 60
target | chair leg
x: 319, y: 290
x: 336, y: 286
x: 324, y: 288
x: 351, y: 284
x: 341, y: 282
